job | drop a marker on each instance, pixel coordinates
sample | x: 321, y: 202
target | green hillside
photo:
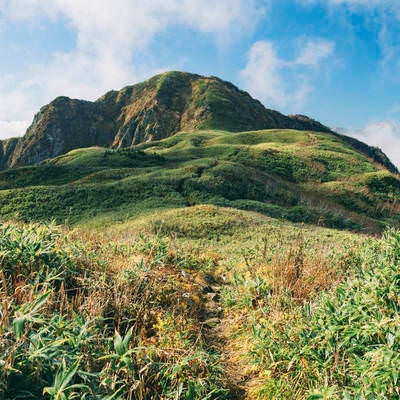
x: 301, y: 176
x: 175, y: 240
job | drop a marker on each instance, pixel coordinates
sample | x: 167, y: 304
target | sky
x: 337, y: 61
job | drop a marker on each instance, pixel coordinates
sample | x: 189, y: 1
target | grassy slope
x: 233, y: 310
x: 147, y: 298
x: 231, y: 298
x: 300, y: 176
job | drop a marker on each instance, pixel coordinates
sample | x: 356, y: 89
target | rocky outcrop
x: 60, y: 126
x: 7, y: 148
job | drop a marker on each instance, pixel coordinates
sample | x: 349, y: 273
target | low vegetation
x: 125, y: 324
x: 341, y: 344
x: 207, y: 265
x: 201, y: 303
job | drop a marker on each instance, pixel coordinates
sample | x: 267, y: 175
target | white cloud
x: 264, y: 73
x: 261, y: 75
x: 12, y: 128
x: 112, y: 35
x: 384, y: 134
x: 315, y: 51
x: 137, y: 20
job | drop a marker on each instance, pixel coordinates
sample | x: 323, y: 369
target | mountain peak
x: 157, y: 108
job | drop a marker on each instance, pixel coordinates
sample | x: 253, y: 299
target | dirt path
x: 218, y: 329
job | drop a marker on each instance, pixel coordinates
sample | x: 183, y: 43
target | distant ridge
x: 154, y: 109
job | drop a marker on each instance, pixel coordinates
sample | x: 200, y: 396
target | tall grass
x: 74, y: 324
x: 345, y: 344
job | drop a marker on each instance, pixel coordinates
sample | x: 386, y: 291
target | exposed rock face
x: 7, y: 148
x: 60, y: 126
x: 151, y: 110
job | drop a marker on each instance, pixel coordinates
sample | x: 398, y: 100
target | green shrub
x: 346, y: 344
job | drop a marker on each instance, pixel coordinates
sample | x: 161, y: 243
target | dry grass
x: 138, y: 289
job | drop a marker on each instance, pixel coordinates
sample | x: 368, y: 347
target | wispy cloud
x: 264, y: 73
x: 382, y: 16
x: 315, y: 51
x: 111, y: 34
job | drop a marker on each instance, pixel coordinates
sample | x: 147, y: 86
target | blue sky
x: 337, y: 61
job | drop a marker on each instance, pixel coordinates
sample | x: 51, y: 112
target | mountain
x: 151, y: 110
x: 180, y: 140
x: 192, y: 257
